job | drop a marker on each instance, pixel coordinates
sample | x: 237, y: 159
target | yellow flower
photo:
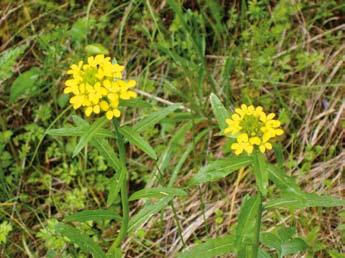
x: 98, y: 86
x: 252, y: 129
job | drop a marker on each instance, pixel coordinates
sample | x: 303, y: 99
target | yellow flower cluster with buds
x: 252, y: 127
x: 97, y: 86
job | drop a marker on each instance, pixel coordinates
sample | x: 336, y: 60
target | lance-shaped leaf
x: 211, y: 248
x: 304, y: 200
x: 85, y: 243
x: 107, y: 152
x: 89, y: 134
x: 259, y: 166
x: 282, y: 181
x: 219, y: 111
x: 147, y: 212
x: 79, y: 131
x: 219, y: 169
x: 134, y: 138
x: 115, y: 185
x: 154, y: 118
x: 93, y: 215
x: 247, y: 227
x: 158, y: 192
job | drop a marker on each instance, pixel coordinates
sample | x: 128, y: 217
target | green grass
x: 285, y: 57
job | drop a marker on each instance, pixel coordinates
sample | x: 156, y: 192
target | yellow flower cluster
x: 97, y: 86
x: 252, y: 127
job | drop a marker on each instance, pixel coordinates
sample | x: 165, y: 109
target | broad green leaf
x: 147, y: 212
x: 89, y: 134
x: 85, y: 243
x: 282, y: 181
x: 219, y: 111
x: 94, y: 215
x: 219, y: 169
x: 80, y: 28
x: 259, y: 166
x: 25, y: 84
x: 79, y: 131
x: 134, y: 138
x: 8, y: 60
x: 304, y: 200
x: 211, y: 248
x: 281, y: 239
x: 158, y: 192
x: 154, y: 118
x: 293, y: 246
x: 247, y: 226
x: 96, y: 49
x: 115, y: 186
x: 107, y: 152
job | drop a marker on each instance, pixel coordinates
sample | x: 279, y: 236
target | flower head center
x: 89, y: 75
x: 251, y: 125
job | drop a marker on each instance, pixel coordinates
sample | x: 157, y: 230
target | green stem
x: 257, y: 235
x: 124, y: 190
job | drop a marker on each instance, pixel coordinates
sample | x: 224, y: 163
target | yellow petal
x: 96, y: 109
x: 88, y: 111
x: 109, y: 115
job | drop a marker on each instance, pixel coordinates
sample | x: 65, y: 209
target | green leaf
x: 85, y: 243
x: 8, y: 60
x: 211, y: 248
x: 282, y: 181
x: 134, y: 138
x: 96, y: 49
x: 219, y: 169
x: 335, y: 254
x: 304, y: 200
x: 259, y: 166
x: 147, y: 212
x: 281, y: 239
x: 115, y: 186
x: 154, y: 118
x: 263, y: 254
x: 25, y: 84
x: 115, y: 253
x: 94, y: 215
x: 80, y: 28
x: 107, y: 152
x: 246, y: 230
x: 158, y: 192
x: 136, y: 103
x: 293, y: 246
x: 219, y: 111
x: 79, y: 131
x: 89, y: 134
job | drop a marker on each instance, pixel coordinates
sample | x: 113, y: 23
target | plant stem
x: 257, y: 235
x: 124, y: 190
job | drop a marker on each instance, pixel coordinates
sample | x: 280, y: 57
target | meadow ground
x: 287, y: 56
